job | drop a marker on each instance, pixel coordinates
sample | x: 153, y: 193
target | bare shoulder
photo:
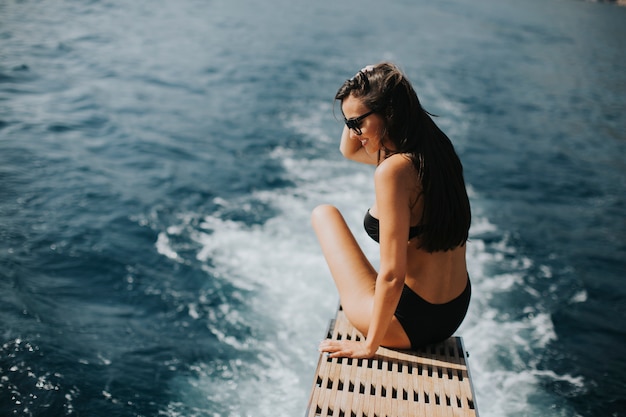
x: 396, y: 179
x: 397, y: 167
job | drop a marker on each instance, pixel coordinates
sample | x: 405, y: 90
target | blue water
x: 159, y: 161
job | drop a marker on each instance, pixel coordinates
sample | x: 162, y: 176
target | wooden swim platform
x: 430, y: 382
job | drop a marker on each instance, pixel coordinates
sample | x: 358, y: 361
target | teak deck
x: 431, y: 382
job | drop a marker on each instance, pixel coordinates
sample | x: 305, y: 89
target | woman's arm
x: 393, y: 186
x: 351, y: 148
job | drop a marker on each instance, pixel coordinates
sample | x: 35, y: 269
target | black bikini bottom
x: 426, y: 323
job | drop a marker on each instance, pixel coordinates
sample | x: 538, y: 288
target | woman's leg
x: 353, y: 274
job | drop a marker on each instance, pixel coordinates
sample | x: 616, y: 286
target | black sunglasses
x: 355, y: 122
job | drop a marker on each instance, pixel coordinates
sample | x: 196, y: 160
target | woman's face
x: 371, y: 127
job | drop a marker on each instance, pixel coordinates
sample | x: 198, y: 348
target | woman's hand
x: 347, y: 349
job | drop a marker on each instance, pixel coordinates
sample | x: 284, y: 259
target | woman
x: 421, y: 293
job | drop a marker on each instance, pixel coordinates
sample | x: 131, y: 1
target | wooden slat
x: 433, y: 381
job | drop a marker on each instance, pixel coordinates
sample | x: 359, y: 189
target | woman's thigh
x: 353, y: 274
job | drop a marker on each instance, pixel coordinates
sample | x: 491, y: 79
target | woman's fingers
x: 345, y: 348
x: 334, y: 348
x: 329, y: 346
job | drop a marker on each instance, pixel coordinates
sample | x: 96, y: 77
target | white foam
x: 280, y: 261
x: 507, y: 347
x: 579, y: 297
x: 164, y: 248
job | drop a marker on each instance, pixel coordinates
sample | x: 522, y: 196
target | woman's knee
x: 323, y: 213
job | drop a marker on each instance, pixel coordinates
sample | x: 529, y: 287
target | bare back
x: 437, y: 277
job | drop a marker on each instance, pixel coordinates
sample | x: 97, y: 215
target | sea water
x: 159, y: 161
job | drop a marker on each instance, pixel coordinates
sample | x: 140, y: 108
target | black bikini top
x: 372, y: 226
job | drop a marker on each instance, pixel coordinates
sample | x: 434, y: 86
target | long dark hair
x: 446, y: 216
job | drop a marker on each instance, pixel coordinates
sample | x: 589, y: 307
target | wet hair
x: 411, y: 130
